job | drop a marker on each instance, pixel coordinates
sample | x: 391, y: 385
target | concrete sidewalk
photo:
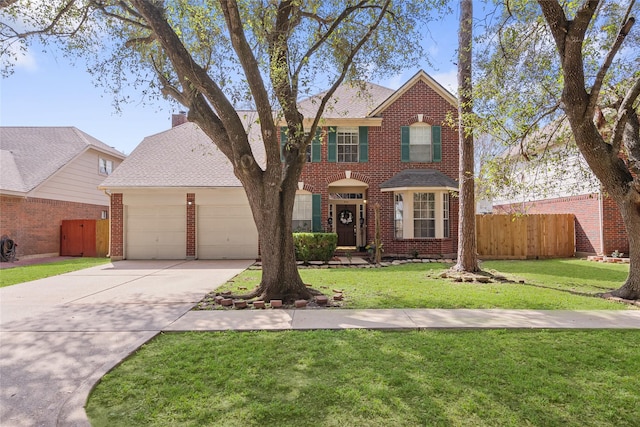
x: 406, y: 319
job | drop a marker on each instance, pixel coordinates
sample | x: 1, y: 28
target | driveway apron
x: 59, y: 335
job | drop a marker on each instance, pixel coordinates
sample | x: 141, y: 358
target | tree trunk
x: 280, y: 277
x: 467, y: 248
x: 630, y: 211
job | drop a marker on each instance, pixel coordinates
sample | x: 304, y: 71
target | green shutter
x: 332, y: 146
x: 404, y: 144
x: 283, y: 140
x: 316, y: 212
x: 315, y: 146
x: 363, y: 141
x: 437, y: 143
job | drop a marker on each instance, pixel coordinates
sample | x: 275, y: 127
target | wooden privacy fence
x: 525, y: 236
x: 84, y: 237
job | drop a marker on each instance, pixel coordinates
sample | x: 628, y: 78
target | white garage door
x: 226, y: 232
x: 156, y: 232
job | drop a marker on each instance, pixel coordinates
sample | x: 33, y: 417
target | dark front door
x: 346, y: 225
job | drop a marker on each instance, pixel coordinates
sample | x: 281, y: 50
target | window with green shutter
x: 316, y: 209
x: 363, y: 141
x: 420, y: 143
x: 316, y: 145
x: 436, y: 139
x: 332, y: 152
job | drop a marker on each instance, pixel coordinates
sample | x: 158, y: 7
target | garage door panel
x: 156, y: 232
x: 226, y: 232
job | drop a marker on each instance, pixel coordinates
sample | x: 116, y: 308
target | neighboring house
x: 47, y: 175
x: 566, y: 185
x: 176, y: 195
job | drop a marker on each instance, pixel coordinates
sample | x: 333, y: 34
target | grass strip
x: 418, y: 285
x: 374, y: 378
x: 27, y: 273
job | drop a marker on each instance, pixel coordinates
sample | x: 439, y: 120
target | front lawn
x: 548, y: 285
x: 26, y: 273
x: 372, y: 378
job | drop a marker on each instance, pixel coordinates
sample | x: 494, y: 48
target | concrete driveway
x: 60, y: 335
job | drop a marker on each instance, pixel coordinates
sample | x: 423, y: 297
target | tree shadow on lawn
x: 575, y: 269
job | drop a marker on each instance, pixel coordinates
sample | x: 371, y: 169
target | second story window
x: 420, y: 143
x: 347, y: 144
x: 105, y: 166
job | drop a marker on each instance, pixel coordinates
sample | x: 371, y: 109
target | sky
x: 47, y: 90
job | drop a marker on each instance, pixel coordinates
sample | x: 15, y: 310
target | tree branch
x: 625, y: 27
x: 621, y: 118
x: 191, y: 75
x: 254, y: 79
x: 348, y: 63
x: 558, y: 24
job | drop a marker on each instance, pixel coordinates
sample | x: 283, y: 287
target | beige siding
x: 77, y: 181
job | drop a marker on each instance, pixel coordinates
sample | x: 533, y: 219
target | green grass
x: 14, y: 275
x: 373, y: 378
x: 548, y: 285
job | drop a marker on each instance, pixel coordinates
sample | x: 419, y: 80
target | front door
x: 346, y: 225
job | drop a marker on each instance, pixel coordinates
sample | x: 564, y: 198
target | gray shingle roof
x: 30, y: 155
x: 419, y: 178
x: 183, y: 156
x: 348, y: 101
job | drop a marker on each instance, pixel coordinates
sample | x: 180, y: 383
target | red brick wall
x: 191, y: 225
x: 385, y: 161
x: 117, y: 227
x: 586, y: 208
x: 615, y: 233
x: 34, y: 224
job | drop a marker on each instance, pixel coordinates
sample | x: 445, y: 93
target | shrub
x: 315, y: 246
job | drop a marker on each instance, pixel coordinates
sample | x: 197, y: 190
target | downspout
x: 601, y: 222
x: 108, y: 194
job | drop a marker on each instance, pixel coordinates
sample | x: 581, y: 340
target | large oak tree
x: 211, y: 55
x: 574, y: 59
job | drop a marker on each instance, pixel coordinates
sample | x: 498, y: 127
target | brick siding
x: 385, y: 161
x: 34, y: 224
x: 191, y: 225
x: 117, y: 227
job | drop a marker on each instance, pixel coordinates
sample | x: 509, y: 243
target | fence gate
x: 84, y: 237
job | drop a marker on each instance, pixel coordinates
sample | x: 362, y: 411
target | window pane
x: 424, y: 209
x: 347, y: 144
x: 302, y: 213
x: 445, y: 214
x: 399, y: 214
x: 420, y: 143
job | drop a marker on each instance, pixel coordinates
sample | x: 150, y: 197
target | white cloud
x: 23, y: 58
x: 449, y: 80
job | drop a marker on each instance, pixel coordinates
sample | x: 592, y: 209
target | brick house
x: 176, y: 195
x: 47, y: 175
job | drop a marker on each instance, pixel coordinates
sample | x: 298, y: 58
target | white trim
x: 420, y: 189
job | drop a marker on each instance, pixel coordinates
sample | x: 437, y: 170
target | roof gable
x: 37, y: 153
x: 419, y: 76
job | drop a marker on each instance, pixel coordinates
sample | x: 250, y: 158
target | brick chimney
x: 179, y: 119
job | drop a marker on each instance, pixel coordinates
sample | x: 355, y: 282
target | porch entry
x: 348, y: 211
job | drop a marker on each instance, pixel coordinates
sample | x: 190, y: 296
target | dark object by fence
x: 7, y: 249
